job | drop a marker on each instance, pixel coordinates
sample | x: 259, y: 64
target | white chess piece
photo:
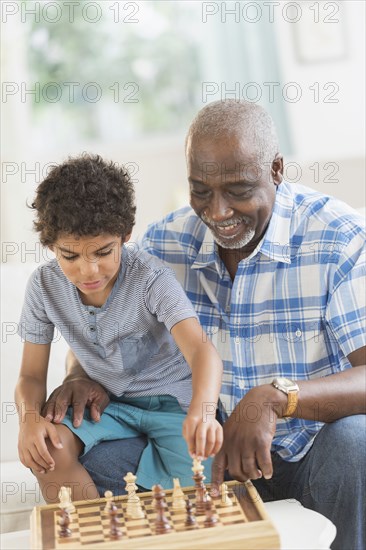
x: 65, y: 503
x: 108, y: 504
x: 134, y: 508
x: 225, y: 499
x: 179, y: 501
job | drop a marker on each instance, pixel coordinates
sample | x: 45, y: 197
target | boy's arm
x: 77, y: 391
x: 201, y: 430
x: 30, y: 394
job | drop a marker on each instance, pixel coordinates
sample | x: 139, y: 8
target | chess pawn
x: 109, y: 499
x: 211, y: 519
x: 190, y: 519
x: 225, y: 499
x: 115, y: 533
x: 64, y: 523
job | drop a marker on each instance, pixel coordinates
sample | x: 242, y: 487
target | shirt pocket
x: 136, y: 351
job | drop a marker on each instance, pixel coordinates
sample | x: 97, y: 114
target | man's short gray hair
x: 233, y: 118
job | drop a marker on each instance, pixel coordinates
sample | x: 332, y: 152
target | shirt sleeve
x: 166, y: 299
x: 34, y: 325
x: 346, y: 311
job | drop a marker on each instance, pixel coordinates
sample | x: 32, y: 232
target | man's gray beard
x: 235, y: 245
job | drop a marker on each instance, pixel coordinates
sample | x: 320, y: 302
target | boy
x: 116, y: 307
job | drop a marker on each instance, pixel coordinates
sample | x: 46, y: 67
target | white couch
x: 19, y: 489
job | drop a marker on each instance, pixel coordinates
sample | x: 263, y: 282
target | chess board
x: 243, y: 525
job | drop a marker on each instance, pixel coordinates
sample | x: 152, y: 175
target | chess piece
x: 201, y: 494
x: 134, y: 509
x: 211, y: 519
x: 109, y: 500
x: 179, y: 502
x: 190, y: 519
x: 115, y: 533
x: 225, y: 499
x: 64, y: 496
x: 161, y: 523
x: 64, y: 523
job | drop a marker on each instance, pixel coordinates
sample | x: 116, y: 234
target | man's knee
x: 347, y: 439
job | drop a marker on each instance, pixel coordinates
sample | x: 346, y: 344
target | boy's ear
x: 126, y: 238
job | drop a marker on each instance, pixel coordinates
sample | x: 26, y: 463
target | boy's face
x: 90, y: 263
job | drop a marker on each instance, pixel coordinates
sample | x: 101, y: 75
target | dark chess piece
x: 201, y: 495
x: 115, y: 533
x: 161, y: 523
x: 64, y: 523
x: 211, y: 519
x: 190, y: 518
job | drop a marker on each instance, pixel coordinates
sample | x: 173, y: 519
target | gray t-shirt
x: 125, y: 344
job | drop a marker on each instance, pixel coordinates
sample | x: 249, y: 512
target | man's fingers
x: 48, y: 411
x: 264, y: 461
x: 218, y: 472
x: 61, y: 405
x: 249, y: 469
x: 101, y: 401
x: 94, y: 412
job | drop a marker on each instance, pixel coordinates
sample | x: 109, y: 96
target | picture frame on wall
x: 320, y: 33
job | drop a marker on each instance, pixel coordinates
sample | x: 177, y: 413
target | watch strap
x: 292, y: 401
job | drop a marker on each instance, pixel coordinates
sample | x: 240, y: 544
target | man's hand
x: 248, y: 435
x: 77, y: 393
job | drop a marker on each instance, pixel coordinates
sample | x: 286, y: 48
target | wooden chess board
x: 243, y: 525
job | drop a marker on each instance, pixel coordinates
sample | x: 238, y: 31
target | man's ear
x: 277, y: 169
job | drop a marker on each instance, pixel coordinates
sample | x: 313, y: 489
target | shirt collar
x: 275, y: 243
x: 208, y: 254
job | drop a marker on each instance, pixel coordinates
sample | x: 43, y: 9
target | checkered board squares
x: 90, y: 524
x: 240, y: 526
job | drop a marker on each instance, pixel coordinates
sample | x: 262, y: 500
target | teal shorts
x: 160, y: 418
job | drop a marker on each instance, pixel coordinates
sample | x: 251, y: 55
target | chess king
x: 130, y: 324
x: 276, y: 274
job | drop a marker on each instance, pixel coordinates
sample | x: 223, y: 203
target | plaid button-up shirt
x: 296, y: 307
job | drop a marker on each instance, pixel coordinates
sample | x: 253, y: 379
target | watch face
x: 285, y: 382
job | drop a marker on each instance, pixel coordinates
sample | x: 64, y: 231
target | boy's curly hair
x: 84, y: 196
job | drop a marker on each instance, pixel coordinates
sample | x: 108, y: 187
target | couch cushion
x: 20, y: 492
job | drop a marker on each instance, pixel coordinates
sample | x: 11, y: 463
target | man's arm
x: 78, y: 391
x: 246, y: 451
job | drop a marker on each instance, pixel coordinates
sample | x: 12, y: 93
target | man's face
x: 231, y: 191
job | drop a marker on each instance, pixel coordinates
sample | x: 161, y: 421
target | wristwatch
x: 291, y: 389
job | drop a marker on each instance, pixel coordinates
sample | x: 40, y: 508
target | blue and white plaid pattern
x: 296, y: 307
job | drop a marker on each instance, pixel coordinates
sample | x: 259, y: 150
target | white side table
x: 298, y: 527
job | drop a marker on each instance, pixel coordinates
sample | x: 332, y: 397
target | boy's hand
x: 204, y: 438
x: 77, y: 393
x: 32, y: 447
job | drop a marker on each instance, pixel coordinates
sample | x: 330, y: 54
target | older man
x: 276, y: 275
